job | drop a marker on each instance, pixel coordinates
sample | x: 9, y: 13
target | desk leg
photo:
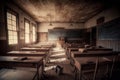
x: 77, y: 74
x: 40, y: 70
x: 112, y: 66
x: 96, y: 67
x: 37, y: 72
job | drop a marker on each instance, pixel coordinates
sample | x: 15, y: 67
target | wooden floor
x: 58, y: 54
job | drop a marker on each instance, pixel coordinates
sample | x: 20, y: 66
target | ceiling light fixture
x: 50, y: 19
x: 71, y: 24
x: 50, y: 24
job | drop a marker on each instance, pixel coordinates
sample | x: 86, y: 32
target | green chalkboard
x: 54, y: 34
x: 109, y: 30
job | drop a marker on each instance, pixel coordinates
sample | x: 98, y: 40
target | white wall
x: 43, y: 27
x: 109, y: 15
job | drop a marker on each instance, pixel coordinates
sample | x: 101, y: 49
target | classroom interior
x: 59, y: 40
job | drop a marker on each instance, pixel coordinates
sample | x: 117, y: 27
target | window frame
x: 13, y: 13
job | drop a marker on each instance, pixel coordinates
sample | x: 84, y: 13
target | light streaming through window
x: 27, y: 32
x: 12, y: 28
x: 34, y: 33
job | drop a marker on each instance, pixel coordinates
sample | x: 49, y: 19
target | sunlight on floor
x: 58, y: 49
x: 58, y: 60
x: 49, y: 68
x: 58, y: 54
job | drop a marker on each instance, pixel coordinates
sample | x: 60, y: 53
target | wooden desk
x: 69, y: 49
x: 45, y: 55
x: 26, y: 53
x: 33, y: 62
x: 35, y: 49
x: 40, y: 46
x: 47, y: 46
x: 15, y: 74
x: 87, y: 50
x: 93, y: 54
x: 82, y: 59
x: 90, y: 64
x: 98, y: 49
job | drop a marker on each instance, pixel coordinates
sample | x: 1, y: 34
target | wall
x: 21, y: 15
x: 3, y: 42
x: 109, y: 14
x: 43, y: 27
x: 3, y: 27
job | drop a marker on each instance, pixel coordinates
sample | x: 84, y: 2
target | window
x: 27, y: 31
x: 12, y: 28
x: 34, y: 33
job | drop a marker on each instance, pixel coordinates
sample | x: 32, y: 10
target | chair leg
x: 77, y: 75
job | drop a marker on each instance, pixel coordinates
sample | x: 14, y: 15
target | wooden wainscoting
x: 43, y: 36
x: 114, y: 44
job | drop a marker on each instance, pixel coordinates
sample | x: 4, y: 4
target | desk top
x: 27, y: 53
x: 98, y: 49
x: 92, y: 54
x: 34, y: 49
x: 28, y: 59
x: 40, y: 46
x: 87, y: 61
x: 90, y: 48
x: 90, y: 60
x: 15, y: 74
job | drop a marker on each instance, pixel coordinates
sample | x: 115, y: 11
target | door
x: 43, y: 37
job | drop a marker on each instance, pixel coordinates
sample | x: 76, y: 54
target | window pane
x: 11, y: 41
x: 9, y: 33
x: 27, y: 38
x: 8, y: 15
x: 26, y: 29
x: 15, y: 33
x: 10, y: 37
x: 15, y: 37
x: 33, y: 34
x: 9, y: 27
x: 14, y: 23
x: 9, y: 21
x: 14, y: 17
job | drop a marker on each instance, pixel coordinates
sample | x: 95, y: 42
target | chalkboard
x: 54, y: 34
x: 109, y: 30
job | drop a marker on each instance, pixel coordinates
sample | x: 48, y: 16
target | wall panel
x: 114, y: 44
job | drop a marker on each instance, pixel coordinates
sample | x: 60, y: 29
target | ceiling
x: 61, y: 10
